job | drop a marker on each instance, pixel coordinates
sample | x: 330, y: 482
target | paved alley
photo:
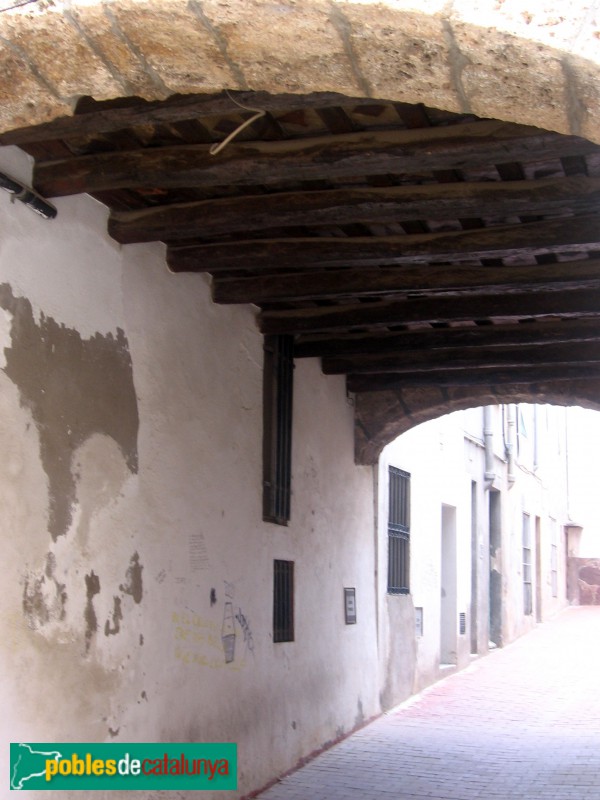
x: 520, y: 724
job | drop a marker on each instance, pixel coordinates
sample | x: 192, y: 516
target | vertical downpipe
x: 488, y: 442
x: 511, y: 426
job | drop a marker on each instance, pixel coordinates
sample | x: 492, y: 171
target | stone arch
x: 382, y: 416
x: 493, y: 59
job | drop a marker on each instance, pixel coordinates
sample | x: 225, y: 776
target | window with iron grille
x: 278, y: 389
x: 399, y: 532
x: 283, y: 601
x: 527, y: 588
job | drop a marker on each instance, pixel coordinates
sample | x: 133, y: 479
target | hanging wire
x: 258, y: 113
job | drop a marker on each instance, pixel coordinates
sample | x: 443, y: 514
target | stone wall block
x: 583, y: 96
x: 501, y: 72
x: 180, y: 52
x: 403, y: 55
x: 61, y: 56
x: 289, y: 46
x: 104, y: 37
x: 18, y: 83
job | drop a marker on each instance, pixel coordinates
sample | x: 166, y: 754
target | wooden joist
x: 176, y: 109
x: 564, y: 235
x: 572, y: 303
x: 222, y: 216
x: 427, y: 279
x: 341, y: 156
x: 477, y: 337
x: 420, y: 360
x: 512, y: 376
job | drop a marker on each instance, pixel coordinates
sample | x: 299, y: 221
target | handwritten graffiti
x: 246, y: 630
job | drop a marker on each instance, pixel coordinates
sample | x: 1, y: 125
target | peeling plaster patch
x: 117, y: 616
x: 92, y: 586
x: 114, y: 733
x: 213, y: 597
x: 134, y: 586
x: 44, y: 598
x: 74, y: 388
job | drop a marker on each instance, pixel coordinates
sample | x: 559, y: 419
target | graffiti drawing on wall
x: 198, y: 638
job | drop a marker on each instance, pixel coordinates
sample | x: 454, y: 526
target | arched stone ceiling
x: 492, y: 58
x: 489, y: 58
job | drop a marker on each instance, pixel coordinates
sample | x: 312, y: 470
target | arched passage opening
x: 488, y: 525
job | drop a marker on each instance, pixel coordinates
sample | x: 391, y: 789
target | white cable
x: 216, y: 148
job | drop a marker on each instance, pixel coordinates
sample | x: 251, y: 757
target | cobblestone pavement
x: 520, y: 724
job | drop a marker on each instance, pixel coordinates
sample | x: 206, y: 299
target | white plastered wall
x: 111, y: 631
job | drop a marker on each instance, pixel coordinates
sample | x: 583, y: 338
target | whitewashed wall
x: 130, y: 511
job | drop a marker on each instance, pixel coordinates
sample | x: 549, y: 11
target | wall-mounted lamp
x: 26, y: 195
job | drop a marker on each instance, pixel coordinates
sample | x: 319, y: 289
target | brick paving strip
x: 520, y: 724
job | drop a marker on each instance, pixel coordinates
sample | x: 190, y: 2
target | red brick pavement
x: 520, y: 724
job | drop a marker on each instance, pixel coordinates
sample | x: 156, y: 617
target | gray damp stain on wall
x: 92, y: 588
x: 133, y: 584
x: 117, y: 616
x: 74, y: 388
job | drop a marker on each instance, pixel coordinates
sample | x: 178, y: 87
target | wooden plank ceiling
x: 401, y: 244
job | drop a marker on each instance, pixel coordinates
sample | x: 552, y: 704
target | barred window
x: 399, y: 532
x: 283, y: 601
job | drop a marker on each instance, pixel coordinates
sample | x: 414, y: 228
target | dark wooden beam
x: 422, y: 360
x: 340, y: 283
x: 469, y: 377
x: 572, y: 303
x: 173, y: 110
x: 562, y: 235
x: 212, y: 218
x: 448, y: 339
x: 344, y: 155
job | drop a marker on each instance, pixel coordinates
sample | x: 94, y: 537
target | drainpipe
x: 488, y: 443
x: 511, y: 427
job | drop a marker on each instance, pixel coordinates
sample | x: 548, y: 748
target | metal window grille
x: 283, y: 601
x: 527, y: 588
x: 278, y: 389
x: 399, y: 531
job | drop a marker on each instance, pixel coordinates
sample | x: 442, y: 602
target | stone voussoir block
x: 18, y: 82
x: 96, y: 25
x: 76, y: 71
x: 176, y: 46
x: 288, y: 46
x: 502, y: 75
x: 403, y: 55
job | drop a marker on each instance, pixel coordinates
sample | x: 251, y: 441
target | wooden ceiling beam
x: 213, y: 218
x: 450, y: 339
x: 563, y: 235
x: 341, y: 156
x: 423, y: 360
x: 476, y: 377
x: 427, y: 279
x: 176, y: 109
x: 571, y: 303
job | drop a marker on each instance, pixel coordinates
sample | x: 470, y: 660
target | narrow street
x: 520, y: 724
